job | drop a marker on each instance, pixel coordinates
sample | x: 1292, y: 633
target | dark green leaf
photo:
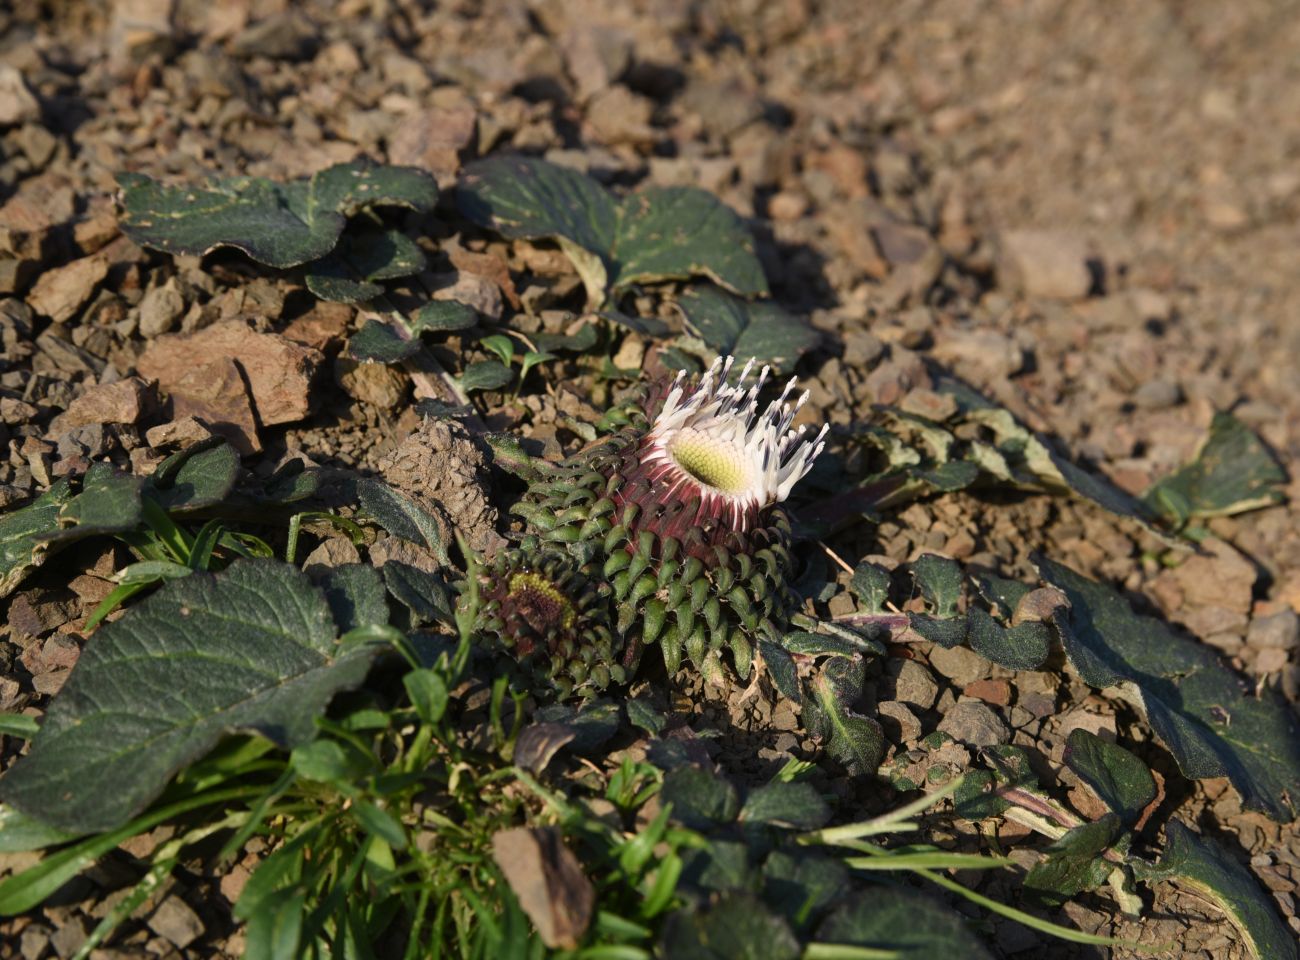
x: 940, y: 581
x: 402, y: 517
x: 1025, y: 647
x: 20, y: 832
x: 583, y: 340
x: 946, y: 633
x: 324, y: 761
x: 351, y: 272
x: 1210, y: 719
x: 443, y: 316
x: 802, y: 884
x: 199, y: 476
x: 593, y: 723
x: 423, y: 593
x: 1232, y: 472
x: 380, y: 823
x: 796, y: 805
x: 1074, y: 863
x: 250, y: 649
x: 383, y: 342
x: 1006, y: 594
x: 355, y: 596
x: 657, y: 233
x: 975, y: 799
x: 275, y: 928
x: 428, y: 692
x: 1119, y: 778
x: 817, y: 644
x: 722, y: 866
x: 781, y: 668
x: 854, y: 740
x: 870, y: 584
x: 700, y: 799
x: 1205, y: 866
x: 291, y: 483
x: 738, y: 927
x: 732, y: 326
x: 280, y: 225
x: 108, y: 503
x: 889, y: 918
x: 486, y: 375
x: 23, y: 534
x: 640, y: 713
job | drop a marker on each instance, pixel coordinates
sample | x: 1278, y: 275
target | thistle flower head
x: 679, y: 514
x: 713, y: 445
x: 553, y: 618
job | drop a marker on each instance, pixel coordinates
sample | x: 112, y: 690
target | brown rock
x: 971, y: 722
x: 1218, y: 576
x: 17, y: 104
x: 596, y: 55
x: 376, y: 384
x: 97, y: 230
x: 996, y: 692
x: 61, y: 292
x: 122, y: 402
x: 325, y: 324
x: 140, y: 28
x: 176, y: 921
x: 179, y: 433
x: 160, y: 309
x: 278, y: 371
x: 16, y: 274
x: 334, y: 552
x: 433, y: 140
x: 1045, y: 263
x: 214, y: 393
x: 28, y: 218
x: 620, y: 116
x: 961, y: 665
x: 909, y: 728
x: 34, y: 613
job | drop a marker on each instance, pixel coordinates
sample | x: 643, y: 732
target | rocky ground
x: 1087, y: 211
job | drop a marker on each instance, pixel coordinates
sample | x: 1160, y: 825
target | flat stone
x: 1219, y: 576
x: 278, y: 371
x: 961, y: 665
x: 160, y: 308
x: 17, y: 103
x: 1269, y: 660
x: 1158, y: 395
x: 176, y: 921
x: 909, y: 726
x: 178, y: 433
x: 433, y: 140
x: 376, y: 384
x: 1045, y: 263
x: 915, y: 685
x: 61, y: 292
x: 996, y: 692
x: 122, y: 402
x: 214, y: 394
x: 975, y: 724
x: 1279, y: 631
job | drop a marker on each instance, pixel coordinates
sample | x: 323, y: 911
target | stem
x: 895, y: 623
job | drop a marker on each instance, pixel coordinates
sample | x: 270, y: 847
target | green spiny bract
x: 680, y: 513
x: 537, y: 604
